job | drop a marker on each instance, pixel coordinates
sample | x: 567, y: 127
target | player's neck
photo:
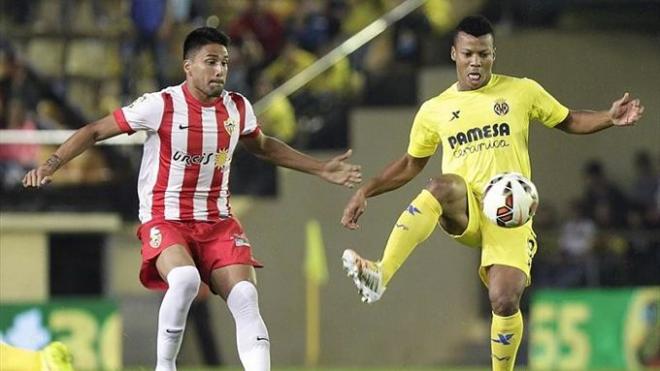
x: 198, y: 95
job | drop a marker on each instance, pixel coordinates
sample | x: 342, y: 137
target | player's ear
x: 187, y: 65
x: 494, y: 50
x: 453, y: 53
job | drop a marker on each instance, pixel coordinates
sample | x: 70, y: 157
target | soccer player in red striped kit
x: 188, y: 233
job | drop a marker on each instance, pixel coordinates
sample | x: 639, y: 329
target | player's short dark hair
x: 475, y: 25
x: 203, y: 36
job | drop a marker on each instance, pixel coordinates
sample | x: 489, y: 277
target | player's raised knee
x: 504, y: 302
x: 446, y: 187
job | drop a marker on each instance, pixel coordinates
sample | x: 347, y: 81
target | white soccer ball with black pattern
x: 510, y: 200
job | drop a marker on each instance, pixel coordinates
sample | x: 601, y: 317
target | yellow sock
x: 505, y: 336
x: 414, y: 226
x: 16, y: 359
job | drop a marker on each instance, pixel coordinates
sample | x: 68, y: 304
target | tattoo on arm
x: 53, y: 162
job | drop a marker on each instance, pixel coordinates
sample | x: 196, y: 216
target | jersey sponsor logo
x: 230, y: 125
x: 501, y: 107
x: 475, y: 134
x: 462, y: 145
x: 503, y: 339
x: 155, y: 237
x: 189, y: 160
x: 454, y: 115
x: 221, y: 159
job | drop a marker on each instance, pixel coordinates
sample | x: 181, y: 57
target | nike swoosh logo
x: 259, y: 338
x: 182, y: 127
x: 501, y: 358
x: 402, y: 226
x: 173, y: 331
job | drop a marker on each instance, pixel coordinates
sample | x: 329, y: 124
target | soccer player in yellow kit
x: 482, y: 122
x: 54, y: 357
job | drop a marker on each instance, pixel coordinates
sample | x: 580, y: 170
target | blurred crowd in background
x: 610, y: 236
x: 57, y: 74
x: 62, y: 74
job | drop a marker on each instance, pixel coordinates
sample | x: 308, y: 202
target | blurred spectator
x: 612, y: 248
x: 259, y: 22
x: 577, y: 239
x: 290, y: 62
x: 339, y: 81
x: 361, y: 13
x: 152, y: 26
x: 312, y: 26
x: 16, y: 96
x: 241, y: 58
x: 645, y: 187
x: 605, y: 203
x: 279, y: 118
x: 250, y: 174
x: 408, y: 35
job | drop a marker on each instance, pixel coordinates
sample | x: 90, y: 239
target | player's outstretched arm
x: 624, y: 112
x: 81, y: 140
x: 395, y: 175
x: 336, y: 170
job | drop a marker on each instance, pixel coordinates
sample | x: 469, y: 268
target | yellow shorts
x: 514, y: 247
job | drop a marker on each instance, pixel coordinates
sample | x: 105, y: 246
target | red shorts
x: 212, y: 245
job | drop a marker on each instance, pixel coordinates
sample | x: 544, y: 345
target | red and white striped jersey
x: 187, y: 154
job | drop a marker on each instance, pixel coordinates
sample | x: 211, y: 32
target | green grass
x: 439, y: 368
x: 329, y: 369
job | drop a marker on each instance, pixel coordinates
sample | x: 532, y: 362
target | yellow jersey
x: 484, y: 131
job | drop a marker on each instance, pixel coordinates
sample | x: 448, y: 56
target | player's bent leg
x: 444, y: 200
x: 451, y: 192
x: 236, y: 284
x: 444, y: 196
x: 178, y: 269
x: 506, y: 286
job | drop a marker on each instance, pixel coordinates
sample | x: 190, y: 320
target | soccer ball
x: 510, y: 200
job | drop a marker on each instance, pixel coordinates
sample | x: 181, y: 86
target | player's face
x: 206, y: 70
x: 474, y: 57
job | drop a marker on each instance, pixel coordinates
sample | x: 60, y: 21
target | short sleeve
x: 248, y: 120
x: 145, y: 113
x: 424, y: 136
x: 545, y: 108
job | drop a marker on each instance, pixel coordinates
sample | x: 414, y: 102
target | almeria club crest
x: 230, y: 125
x: 501, y: 107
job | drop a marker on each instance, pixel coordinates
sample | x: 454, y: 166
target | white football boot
x: 366, y: 275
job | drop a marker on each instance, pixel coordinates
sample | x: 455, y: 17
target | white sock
x: 251, y: 333
x: 184, y: 284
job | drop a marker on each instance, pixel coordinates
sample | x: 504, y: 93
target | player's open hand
x: 626, y: 111
x: 354, y: 209
x: 337, y: 171
x: 43, y: 174
x: 37, y: 177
